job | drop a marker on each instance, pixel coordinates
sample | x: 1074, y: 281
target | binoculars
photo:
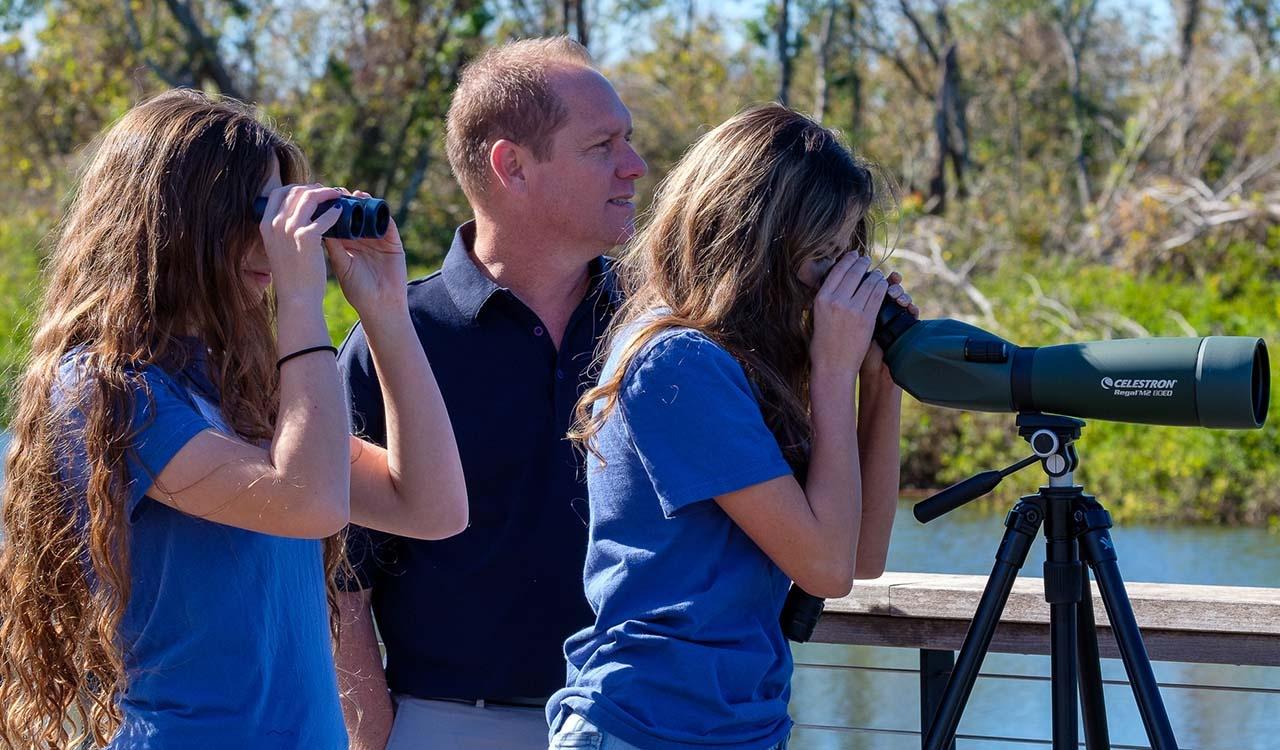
x: 367, y: 218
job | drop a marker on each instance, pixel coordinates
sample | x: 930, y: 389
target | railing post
x: 935, y: 668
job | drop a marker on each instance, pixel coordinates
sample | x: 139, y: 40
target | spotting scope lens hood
x: 367, y: 218
x: 1209, y: 381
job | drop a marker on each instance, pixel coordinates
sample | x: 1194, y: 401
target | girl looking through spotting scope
x: 743, y: 435
x: 176, y: 462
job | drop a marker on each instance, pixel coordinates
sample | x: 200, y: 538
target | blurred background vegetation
x: 1065, y: 170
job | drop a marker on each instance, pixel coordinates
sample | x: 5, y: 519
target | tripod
x: 1075, y: 528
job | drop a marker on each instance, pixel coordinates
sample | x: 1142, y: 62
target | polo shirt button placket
x: 537, y: 331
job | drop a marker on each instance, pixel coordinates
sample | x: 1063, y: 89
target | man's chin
x: 623, y: 235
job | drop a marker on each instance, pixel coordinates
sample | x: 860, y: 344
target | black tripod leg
x: 1096, y: 547
x: 1021, y: 526
x: 1062, y: 574
x: 1093, y: 707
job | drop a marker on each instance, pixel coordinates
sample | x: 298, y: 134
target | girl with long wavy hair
x: 728, y: 454
x: 181, y: 447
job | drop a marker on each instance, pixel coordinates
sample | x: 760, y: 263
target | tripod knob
x: 1044, y: 443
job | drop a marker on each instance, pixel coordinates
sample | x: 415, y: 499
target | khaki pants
x: 448, y: 725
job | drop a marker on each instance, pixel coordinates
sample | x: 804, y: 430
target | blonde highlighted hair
x: 150, y: 251
x: 730, y: 227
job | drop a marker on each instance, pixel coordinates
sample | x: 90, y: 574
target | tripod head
x: 1052, y: 440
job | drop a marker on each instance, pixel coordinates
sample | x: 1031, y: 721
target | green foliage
x: 19, y: 294
x: 1178, y: 237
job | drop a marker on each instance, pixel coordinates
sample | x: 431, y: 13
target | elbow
x: 831, y: 581
x: 328, y: 514
x: 867, y: 570
x: 456, y: 522
x: 449, y: 516
x: 872, y: 563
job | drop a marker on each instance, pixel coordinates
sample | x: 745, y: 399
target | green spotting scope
x: 1208, y: 381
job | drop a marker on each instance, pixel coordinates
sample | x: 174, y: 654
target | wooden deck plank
x: 1179, y: 622
x: 1163, y: 606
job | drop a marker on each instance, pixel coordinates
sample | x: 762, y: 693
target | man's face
x: 585, y: 191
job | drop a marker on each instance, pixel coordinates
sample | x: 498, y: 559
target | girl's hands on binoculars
x: 371, y: 272
x: 844, y: 315
x: 873, y: 363
x: 293, y: 240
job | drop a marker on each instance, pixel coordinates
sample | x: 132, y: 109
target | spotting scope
x: 1206, y: 381
x: 361, y: 217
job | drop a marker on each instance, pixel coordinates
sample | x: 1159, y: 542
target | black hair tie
x: 326, y: 348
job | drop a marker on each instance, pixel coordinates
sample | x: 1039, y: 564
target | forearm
x: 423, y: 466
x: 880, y: 412
x: 362, y: 682
x: 833, y: 486
x: 309, y: 450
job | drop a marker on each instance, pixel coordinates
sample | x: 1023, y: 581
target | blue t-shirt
x: 686, y: 651
x: 226, y: 631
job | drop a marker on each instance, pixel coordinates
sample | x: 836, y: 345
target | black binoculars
x: 367, y: 218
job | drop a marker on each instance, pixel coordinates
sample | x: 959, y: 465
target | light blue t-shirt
x: 686, y: 652
x: 226, y: 632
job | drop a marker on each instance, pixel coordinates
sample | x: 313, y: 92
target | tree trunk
x: 823, y: 55
x: 855, y: 78
x: 1180, y: 124
x: 956, y: 117
x: 580, y: 6
x: 937, y: 201
x: 784, y: 51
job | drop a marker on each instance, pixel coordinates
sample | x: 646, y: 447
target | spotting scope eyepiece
x: 367, y: 218
x: 1209, y: 381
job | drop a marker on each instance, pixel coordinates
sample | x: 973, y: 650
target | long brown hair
x: 149, y: 251
x: 731, y: 225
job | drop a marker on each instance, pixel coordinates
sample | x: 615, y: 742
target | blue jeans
x: 577, y: 732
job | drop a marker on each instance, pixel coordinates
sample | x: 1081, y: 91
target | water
x: 964, y: 542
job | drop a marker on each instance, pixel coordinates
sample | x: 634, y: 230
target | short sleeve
x: 164, y: 420
x: 695, y: 422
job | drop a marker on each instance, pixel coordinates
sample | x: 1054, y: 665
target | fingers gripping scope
x: 1209, y: 381
x: 362, y: 218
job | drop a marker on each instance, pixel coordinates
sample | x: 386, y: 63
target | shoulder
x: 682, y: 361
x: 77, y: 373
x: 679, y: 349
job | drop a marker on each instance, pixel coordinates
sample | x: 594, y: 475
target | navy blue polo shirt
x: 484, y: 614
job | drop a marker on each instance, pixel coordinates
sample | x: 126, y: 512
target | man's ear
x: 506, y: 162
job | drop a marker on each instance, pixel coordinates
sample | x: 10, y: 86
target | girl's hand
x: 873, y: 363
x: 292, y: 239
x: 371, y: 272
x: 844, y: 315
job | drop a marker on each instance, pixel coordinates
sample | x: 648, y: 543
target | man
x: 474, y: 625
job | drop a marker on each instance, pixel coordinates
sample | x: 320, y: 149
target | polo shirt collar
x: 470, y: 288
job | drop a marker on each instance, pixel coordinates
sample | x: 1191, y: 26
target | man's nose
x: 632, y: 166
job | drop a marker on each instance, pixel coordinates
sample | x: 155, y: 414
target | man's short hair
x: 506, y: 93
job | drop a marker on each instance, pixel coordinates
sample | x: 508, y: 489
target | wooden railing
x: 931, y: 613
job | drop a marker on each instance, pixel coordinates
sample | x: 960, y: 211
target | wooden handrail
x: 1179, y: 622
